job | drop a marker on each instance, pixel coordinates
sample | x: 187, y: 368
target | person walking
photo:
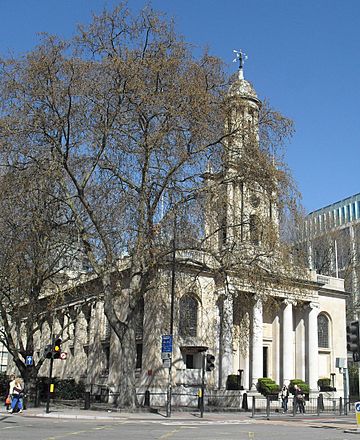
x: 17, y: 395
x: 299, y: 399
x: 284, y: 398
x: 10, y: 392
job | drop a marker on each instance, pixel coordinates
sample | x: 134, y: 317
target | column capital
x: 314, y: 305
x: 288, y: 301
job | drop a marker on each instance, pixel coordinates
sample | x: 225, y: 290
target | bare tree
x: 37, y: 245
x: 128, y: 121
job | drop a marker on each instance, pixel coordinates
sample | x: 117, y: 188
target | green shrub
x: 66, y: 389
x: 267, y: 386
x: 301, y: 384
x: 4, y: 385
x: 325, y: 384
x: 233, y: 382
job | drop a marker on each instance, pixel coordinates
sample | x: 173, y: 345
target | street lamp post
x: 172, y: 300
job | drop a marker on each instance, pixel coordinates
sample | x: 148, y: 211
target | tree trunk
x: 30, y: 382
x: 127, y: 388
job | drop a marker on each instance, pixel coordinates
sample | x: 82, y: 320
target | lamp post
x: 172, y: 300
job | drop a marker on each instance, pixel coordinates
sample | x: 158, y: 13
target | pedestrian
x: 10, y: 391
x: 284, y: 398
x: 299, y: 399
x: 17, y: 396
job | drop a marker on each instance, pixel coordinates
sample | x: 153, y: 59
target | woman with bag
x: 16, y: 402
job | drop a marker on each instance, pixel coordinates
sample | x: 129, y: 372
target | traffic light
x: 56, y: 348
x: 48, y: 351
x: 353, y: 339
x: 210, y: 362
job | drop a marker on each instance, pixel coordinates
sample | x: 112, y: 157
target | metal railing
x: 270, y: 406
x: 313, y: 405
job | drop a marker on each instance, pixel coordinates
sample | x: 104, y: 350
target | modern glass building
x: 333, y: 237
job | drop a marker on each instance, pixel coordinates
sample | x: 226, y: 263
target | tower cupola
x: 241, y: 88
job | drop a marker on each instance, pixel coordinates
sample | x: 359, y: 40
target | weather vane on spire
x: 241, y: 56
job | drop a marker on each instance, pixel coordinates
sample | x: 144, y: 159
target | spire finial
x: 241, y: 56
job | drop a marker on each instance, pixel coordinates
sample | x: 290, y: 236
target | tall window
x: 188, y: 316
x: 323, y: 331
x: 254, y: 229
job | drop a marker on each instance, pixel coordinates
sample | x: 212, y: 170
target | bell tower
x: 245, y: 208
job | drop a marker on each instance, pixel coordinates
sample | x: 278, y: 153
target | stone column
x: 226, y: 339
x: 300, y: 348
x: 257, y: 343
x: 288, y: 342
x: 313, y: 348
x: 276, y: 345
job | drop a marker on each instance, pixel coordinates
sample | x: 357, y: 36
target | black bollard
x: 87, y: 400
x: 147, y: 398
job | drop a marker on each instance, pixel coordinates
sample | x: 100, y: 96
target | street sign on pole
x: 29, y: 360
x: 63, y: 355
x: 167, y: 363
x: 166, y: 343
x: 165, y: 355
x: 357, y: 412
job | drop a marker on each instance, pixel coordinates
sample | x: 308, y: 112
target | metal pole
x: 202, y: 386
x: 346, y: 389
x: 48, y: 394
x: 340, y: 405
x: 172, y: 300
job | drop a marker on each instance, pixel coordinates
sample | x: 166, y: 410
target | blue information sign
x: 166, y: 344
x: 29, y: 360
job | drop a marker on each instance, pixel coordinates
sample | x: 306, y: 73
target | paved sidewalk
x: 76, y: 413
x: 188, y: 416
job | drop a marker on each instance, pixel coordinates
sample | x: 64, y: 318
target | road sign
x: 166, y: 344
x: 165, y: 355
x: 63, y: 355
x: 166, y: 363
x: 357, y: 412
x: 29, y: 360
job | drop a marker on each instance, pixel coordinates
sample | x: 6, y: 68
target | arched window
x: 323, y: 331
x: 188, y: 316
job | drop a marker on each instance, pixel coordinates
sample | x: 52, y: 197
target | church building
x: 281, y: 327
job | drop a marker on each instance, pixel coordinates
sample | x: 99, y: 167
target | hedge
x: 233, y: 382
x: 301, y: 384
x: 267, y: 386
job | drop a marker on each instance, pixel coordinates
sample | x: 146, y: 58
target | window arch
x: 323, y: 331
x: 188, y: 315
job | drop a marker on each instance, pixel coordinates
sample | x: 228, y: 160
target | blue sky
x: 303, y: 57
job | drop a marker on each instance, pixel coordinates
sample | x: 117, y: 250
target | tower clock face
x: 254, y: 201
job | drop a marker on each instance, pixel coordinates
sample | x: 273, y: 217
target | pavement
x: 159, y: 415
